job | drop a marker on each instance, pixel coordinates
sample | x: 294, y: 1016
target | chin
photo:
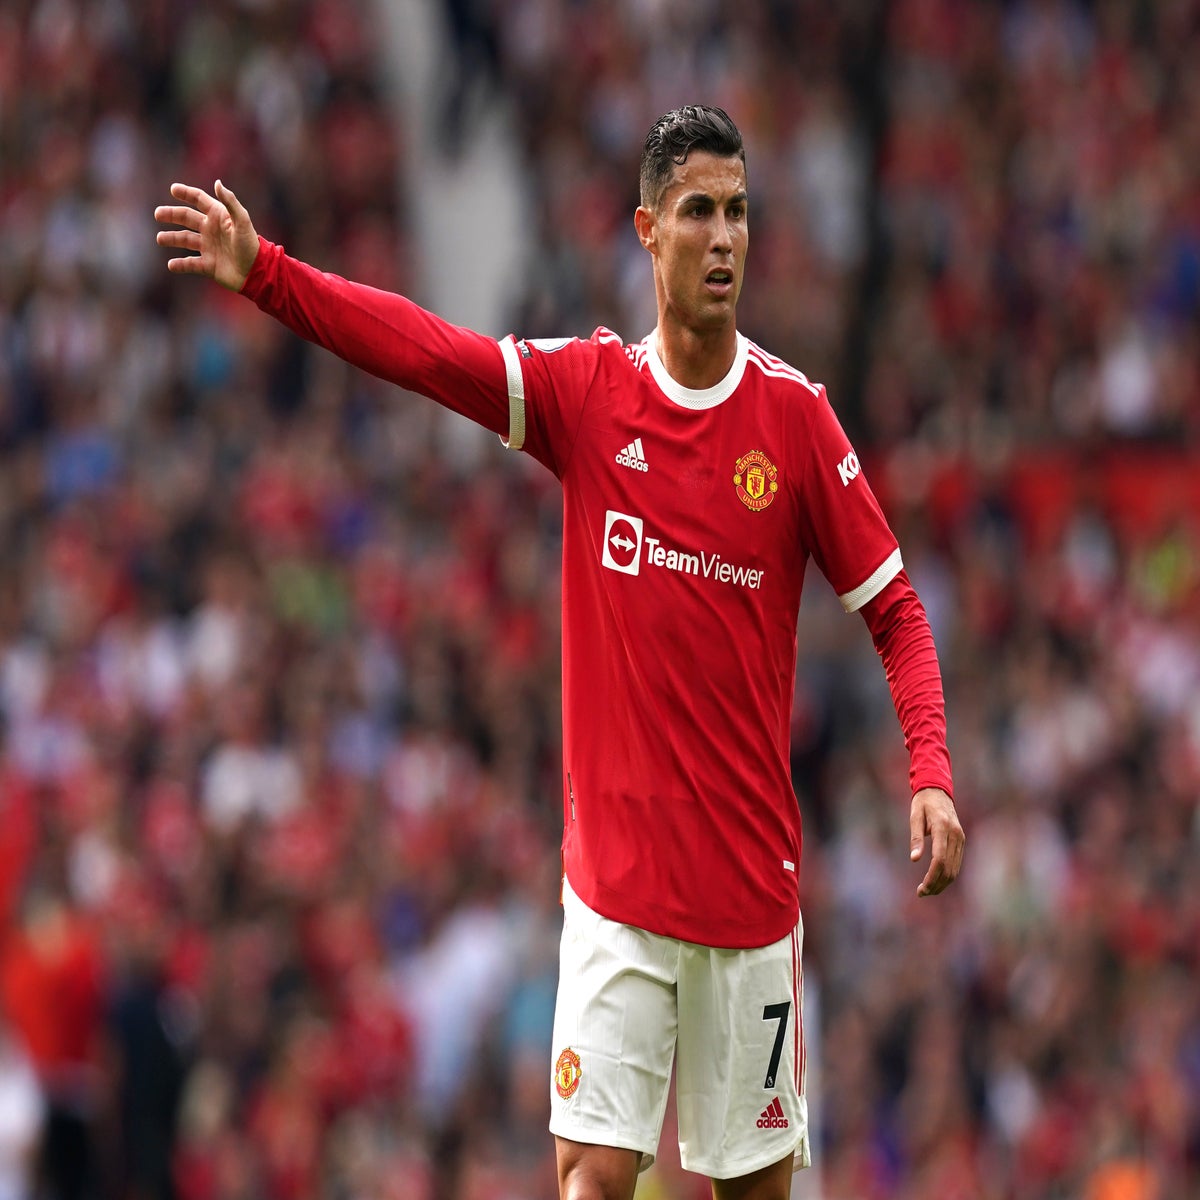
x: 714, y: 316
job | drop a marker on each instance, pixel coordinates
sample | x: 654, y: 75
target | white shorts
x: 631, y: 1002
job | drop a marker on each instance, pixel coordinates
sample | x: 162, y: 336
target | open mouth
x: 719, y: 275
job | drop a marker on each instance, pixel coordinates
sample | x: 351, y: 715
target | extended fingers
x: 178, y: 214
x: 196, y: 197
x: 193, y: 264
x: 198, y: 207
x: 179, y: 239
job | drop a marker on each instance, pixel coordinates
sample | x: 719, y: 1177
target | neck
x: 696, y: 359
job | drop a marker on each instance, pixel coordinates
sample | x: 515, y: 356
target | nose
x: 722, y: 237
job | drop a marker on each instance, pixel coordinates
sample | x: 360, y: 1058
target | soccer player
x: 699, y: 475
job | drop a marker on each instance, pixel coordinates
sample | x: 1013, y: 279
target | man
x: 699, y: 474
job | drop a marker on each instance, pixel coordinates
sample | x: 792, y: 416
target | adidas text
x: 633, y: 456
x: 772, y: 1116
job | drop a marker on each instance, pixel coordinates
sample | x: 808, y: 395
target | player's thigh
x: 740, y: 1060
x: 614, y: 1032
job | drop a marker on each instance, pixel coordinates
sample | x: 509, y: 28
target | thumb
x: 231, y: 202
x: 916, y: 829
x: 239, y: 246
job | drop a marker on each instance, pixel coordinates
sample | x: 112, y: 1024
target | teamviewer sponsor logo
x: 627, y: 547
x: 772, y: 1116
x: 622, y: 542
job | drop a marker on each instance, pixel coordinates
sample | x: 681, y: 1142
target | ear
x: 647, y: 227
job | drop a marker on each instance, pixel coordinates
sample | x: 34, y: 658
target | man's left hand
x: 933, y: 816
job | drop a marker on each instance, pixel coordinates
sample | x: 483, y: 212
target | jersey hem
x: 615, y: 906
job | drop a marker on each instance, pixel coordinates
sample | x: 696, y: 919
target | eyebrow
x: 693, y: 197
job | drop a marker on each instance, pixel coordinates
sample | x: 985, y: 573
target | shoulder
x: 610, y: 351
x: 611, y: 346
x: 779, y: 376
x: 603, y: 342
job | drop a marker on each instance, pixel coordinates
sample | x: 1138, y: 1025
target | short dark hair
x: 675, y: 135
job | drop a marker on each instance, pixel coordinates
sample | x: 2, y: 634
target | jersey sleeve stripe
x: 768, y: 364
x: 516, y: 395
x: 887, y: 570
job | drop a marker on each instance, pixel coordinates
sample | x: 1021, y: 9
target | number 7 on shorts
x: 780, y: 1013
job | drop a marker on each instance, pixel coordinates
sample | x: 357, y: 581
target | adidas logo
x: 772, y: 1116
x: 633, y: 456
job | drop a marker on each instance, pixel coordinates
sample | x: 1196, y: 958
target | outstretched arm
x: 380, y: 332
x: 217, y: 234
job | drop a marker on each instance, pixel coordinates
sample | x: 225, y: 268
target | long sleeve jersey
x: 688, y: 520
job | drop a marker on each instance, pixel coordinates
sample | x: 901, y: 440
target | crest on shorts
x: 756, y: 480
x: 567, y: 1073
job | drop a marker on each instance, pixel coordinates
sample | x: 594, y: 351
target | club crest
x: 567, y: 1073
x: 756, y: 480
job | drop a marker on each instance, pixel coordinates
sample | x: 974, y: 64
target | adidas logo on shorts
x: 772, y: 1116
x: 633, y: 456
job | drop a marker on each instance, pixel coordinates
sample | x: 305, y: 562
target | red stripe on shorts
x: 797, y: 993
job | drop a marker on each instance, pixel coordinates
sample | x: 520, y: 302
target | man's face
x: 698, y: 235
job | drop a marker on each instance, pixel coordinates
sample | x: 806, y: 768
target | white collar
x: 697, y: 398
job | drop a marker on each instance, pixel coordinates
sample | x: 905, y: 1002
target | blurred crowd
x: 280, y: 783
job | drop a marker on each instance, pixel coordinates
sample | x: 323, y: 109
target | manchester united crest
x: 756, y: 480
x: 567, y: 1073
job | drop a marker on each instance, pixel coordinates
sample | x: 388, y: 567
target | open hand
x: 217, y: 233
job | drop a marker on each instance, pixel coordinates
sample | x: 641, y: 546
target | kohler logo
x: 848, y: 468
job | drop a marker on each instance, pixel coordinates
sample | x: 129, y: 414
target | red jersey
x: 689, y: 517
x: 688, y: 520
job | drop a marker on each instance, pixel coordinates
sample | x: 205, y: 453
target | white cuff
x: 870, y: 587
x: 516, y: 395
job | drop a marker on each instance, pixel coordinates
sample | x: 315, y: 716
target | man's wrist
x: 255, y: 279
